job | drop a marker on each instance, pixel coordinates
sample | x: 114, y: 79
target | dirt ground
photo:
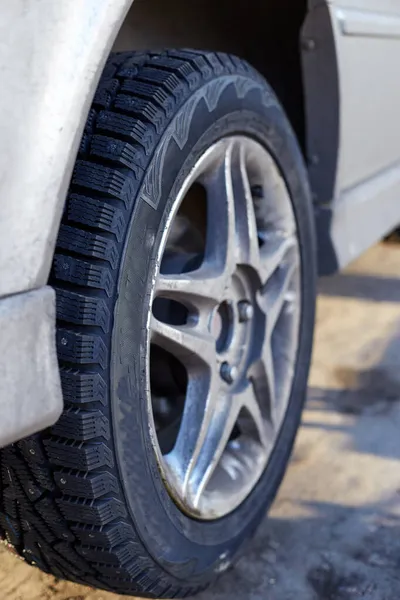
x: 334, y: 530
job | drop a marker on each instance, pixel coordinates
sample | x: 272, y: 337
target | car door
x: 366, y: 154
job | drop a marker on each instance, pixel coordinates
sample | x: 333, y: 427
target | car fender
x: 51, y: 57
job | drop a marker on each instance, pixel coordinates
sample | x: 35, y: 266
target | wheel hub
x: 233, y: 324
x: 236, y: 336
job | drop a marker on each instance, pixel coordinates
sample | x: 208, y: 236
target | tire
x: 394, y: 236
x: 84, y: 500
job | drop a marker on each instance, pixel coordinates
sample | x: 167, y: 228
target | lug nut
x: 246, y: 311
x: 229, y: 372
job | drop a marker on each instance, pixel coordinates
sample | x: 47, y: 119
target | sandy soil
x: 334, y: 530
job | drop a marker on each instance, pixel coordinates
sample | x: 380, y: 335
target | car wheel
x: 185, y: 282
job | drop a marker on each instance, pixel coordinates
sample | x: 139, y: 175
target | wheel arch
x: 52, y: 57
x: 292, y: 43
x: 266, y: 34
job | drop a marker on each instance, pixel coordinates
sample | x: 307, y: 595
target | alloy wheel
x: 224, y: 326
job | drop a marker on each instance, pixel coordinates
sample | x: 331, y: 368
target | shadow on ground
x: 339, y: 553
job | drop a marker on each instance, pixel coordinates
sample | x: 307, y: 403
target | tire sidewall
x: 184, y: 547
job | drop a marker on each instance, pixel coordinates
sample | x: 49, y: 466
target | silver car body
x: 51, y: 58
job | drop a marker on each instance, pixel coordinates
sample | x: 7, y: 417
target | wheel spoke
x: 211, y: 447
x: 277, y: 291
x: 221, y: 229
x: 262, y: 375
x: 201, y: 457
x: 190, y: 344
x: 247, y: 250
x: 274, y: 251
x: 201, y: 289
x: 257, y: 409
x: 204, y: 432
x: 236, y: 222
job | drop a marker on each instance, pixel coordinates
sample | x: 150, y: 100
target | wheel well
x: 265, y: 33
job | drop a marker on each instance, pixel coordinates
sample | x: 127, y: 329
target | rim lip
x: 166, y: 472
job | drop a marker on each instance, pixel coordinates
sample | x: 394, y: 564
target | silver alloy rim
x: 238, y: 342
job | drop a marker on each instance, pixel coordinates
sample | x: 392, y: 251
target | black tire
x: 394, y: 236
x: 84, y: 500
